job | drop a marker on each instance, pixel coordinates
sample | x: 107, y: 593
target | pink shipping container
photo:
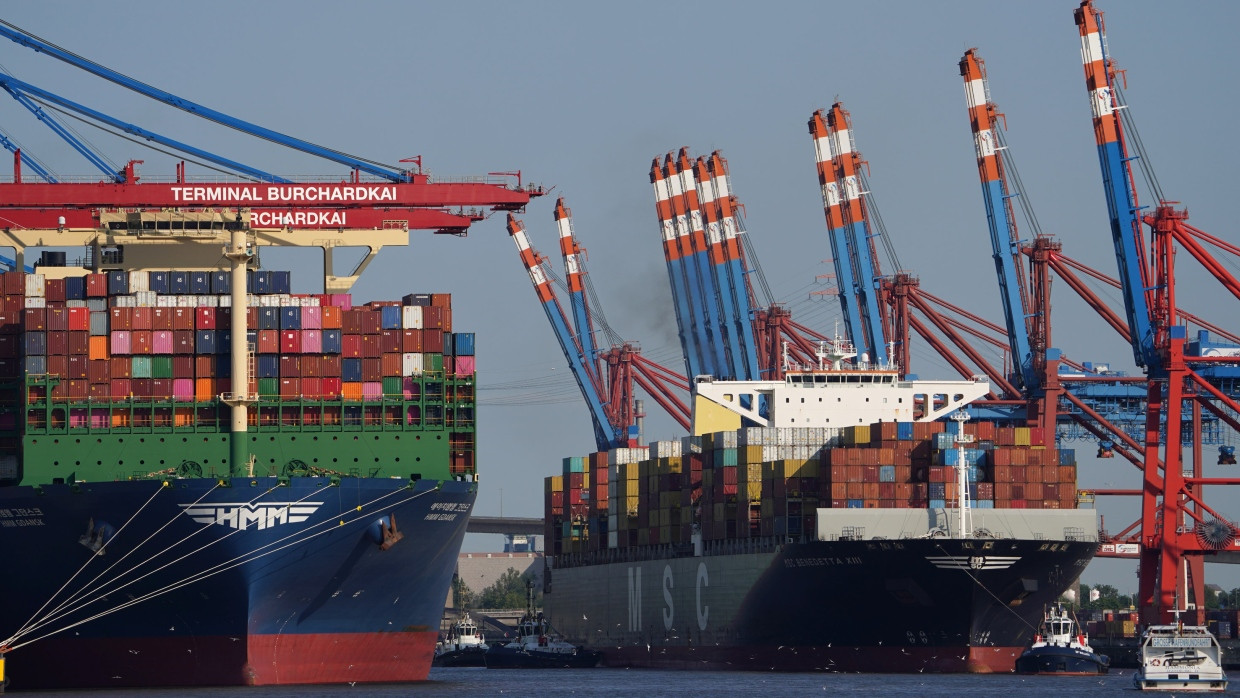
x: 311, y: 318
x: 161, y: 342
x: 372, y: 390
x: 120, y: 343
x: 344, y: 301
x: 99, y: 419
x: 78, y: 417
x: 412, y: 389
x: 464, y: 366
x: 311, y: 340
x: 183, y: 389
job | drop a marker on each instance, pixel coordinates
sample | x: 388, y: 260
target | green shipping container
x: 393, y: 386
x: 140, y: 367
x: 268, y: 387
x: 161, y: 367
x: 433, y: 362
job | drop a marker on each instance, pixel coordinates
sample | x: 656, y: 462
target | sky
x: 581, y: 96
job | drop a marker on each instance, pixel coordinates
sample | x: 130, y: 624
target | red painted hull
x: 260, y: 660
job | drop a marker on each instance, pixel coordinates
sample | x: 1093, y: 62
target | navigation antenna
x: 965, y: 526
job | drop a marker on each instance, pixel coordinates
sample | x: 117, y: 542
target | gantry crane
x: 1177, y: 527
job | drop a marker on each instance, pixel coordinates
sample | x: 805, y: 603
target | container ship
x: 157, y: 535
x: 830, y: 521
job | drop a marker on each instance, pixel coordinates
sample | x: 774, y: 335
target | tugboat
x: 1059, y: 648
x: 1180, y: 657
x: 535, y: 647
x: 464, y: 646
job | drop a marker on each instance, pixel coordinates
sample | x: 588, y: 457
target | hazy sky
x: 581, y: 97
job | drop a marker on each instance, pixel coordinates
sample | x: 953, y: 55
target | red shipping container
x: 182, y: 318
x: 411, y: 341
x: 120, y: 367
x: 290, y: 341
x: 96, y: 286
x: 99, y: 371
x: 79, y: 342
x: 290, y: 367
x: 204, y: 318
x: 79, y: 389
x: 183, y: 342
x: 100, y: 392
x: 140, y: 318
x: 269, y: 341
x: 331, y: 387
x: 183, y: 367
x: 122, y: 388
x: 120, y: 318
x: 204, y: 366
x: 35, y: 319
x: 331, y: 366
x: 161, y: 388
x: 372, y: 370
x: 391, y: 341
x: 161, y: 318
x: 351, y: 346
x: 79, y: 319
x: 57, y: 320
x: 312, y: 388
x: 290, y: 388
x: 140, y: 342
x: 14, y: 282
x: 311, y: 367
x: 432, y: 342
x: 390, y: 364
x: 54, y: 290
x: 432, y: 318
x: 77, y: 368
x: 58, y: 343
x: 370, y: 346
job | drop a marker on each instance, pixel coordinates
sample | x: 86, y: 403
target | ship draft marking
x: 972, y: 562
x: 242, y: 515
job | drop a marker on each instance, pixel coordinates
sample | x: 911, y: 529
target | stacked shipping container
x: 760, y: 482
x: 149, y: 349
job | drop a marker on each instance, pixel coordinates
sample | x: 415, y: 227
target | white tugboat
x: 1180, y: 657
x: 1061, y: 649
x: 465, y: 645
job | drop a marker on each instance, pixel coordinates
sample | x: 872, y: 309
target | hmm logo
x: 246, y: 516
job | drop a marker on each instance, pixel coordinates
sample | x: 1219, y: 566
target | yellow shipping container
x: 1022, y: 436
x: 751, y: 454
x: 752, y: 472
x: 752, y: 490
x: 555, y: 483
x: 632, y: 489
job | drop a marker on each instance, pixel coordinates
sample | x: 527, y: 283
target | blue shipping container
x: 281, y: 282
x: 75, y: 288
x: 290, y: 318
x: 331, y: 342
x: 268, y: 318
x: 36, y: 344
x: 351, y: 370
x: 463, y: 344
x: 36, y: 364
x: 390, y: 317
x: 118, y: 283
x: 221, y: 282
x: 268, y: 366
x: 178, y: 282
x: 199, y: 283
x: 204, y: 342
x: 160, y: 282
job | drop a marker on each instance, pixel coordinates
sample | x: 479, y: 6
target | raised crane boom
x: 1117, y: 183
x: 1004, y: 239
x: 676, y: 274
x: 738, y: 276
x: 574, y: 273
x: 605, y: 436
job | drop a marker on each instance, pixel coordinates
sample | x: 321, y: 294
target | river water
x: 645, y: 683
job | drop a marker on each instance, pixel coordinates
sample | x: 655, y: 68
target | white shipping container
x: 146, y: 299
x: 412, y: 364
x: 226, y: 301
x: 139, y: 281
x: 75, y: 304
x: 411, y: 317
x: 185, y: 301
x: 35, y: 286
x: 166, y: 302
x: 35, y: 302
x: 207, y: 301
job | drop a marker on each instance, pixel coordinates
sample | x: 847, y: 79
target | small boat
x: 1180, y: 657
x: 537, y: 647
x: 465, y: 645
x: 1061, y: 649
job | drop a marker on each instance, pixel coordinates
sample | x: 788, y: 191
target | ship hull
x: 898, y: 605
x: 1061, y: 661
x: 264, y: 582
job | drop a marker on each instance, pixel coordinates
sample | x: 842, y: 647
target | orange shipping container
x: 98, y: 348
x: 351, y: 390
x: 204, y: 389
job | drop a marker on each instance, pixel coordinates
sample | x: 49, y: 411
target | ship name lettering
x: 821, y: 561
x: 440, y: 517
x: 703, y: 580
x: 635, y: 599
x: 669, y: 613
x: 20, y: 523
x: 450, y: 506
